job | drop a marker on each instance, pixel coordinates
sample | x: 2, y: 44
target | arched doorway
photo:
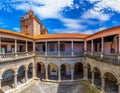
x: 53, y: 71
x: 21, y: 75
x: 110, y: 83
x: 30, y: 70
x: 40, y: 70
x: 78, y: 71
x: 7, y: 80
x: 65, y: 71
x: 89, y: 72
x: 97, y: 77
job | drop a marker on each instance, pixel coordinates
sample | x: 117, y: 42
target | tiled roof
x: 61, y: 36
x: 105, y: 32
x: 47, y: 36
x: 15, y: 33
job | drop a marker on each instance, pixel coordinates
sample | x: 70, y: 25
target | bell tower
x: 30, y: 24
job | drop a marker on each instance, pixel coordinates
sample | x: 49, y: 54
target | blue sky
x: 63, y: 16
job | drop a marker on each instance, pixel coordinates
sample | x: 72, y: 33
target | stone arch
x: 21, y: 73
x: 97, y: 76
x: 78, y: 70
x: 113, y: 73
x: 7, y: 79
x: 53, y: 70
x: 111, y: 82
x: 65, y: 71
x: 40, y: 69
x: 29, y: 64
x: 30, y: 69
x: 13, y: 69
x: 24, y: 65
x: 89, y: 68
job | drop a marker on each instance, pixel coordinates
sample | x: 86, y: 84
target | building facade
x: 34, y: 53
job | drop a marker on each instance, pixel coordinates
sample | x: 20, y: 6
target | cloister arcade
x: 13, y: 77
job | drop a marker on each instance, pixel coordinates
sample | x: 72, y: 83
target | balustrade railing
x: 96, y: 55
x: 65, y: 53
x: 7, y: 55
x: 52, y: 53
x: 62, y: 53
x: 113, y: 58
x: 15, y: 55
x: 40, y: 53
x: 105, y: 57
x: 79, y: 53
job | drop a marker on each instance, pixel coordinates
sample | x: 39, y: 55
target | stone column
x: 59, y: 74
x: 0, y: 47
x: 46, y: 73
x: 119, y: 47
x: 26, y: 50
x: 58, y: 48
x: 0, y: 81
x: 45, y: 48
x: 72, y: 48
x: 93, y: 77
x: 103, y: 83
x: 15, y: 80
x: 15, y: 47
x: 34, y: 71
x: 118, y: 87
x: 85, y: 47
x: 85, y: 73
x: 119, y: 43
x: 72, y: 73
x: 102, y: 47
x: 26, y: 75
x: 92, y: 47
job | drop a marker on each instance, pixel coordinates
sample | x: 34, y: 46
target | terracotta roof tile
x: 61, y: 36
x: 15, y: 33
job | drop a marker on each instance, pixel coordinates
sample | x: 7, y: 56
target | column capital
x: 15, y: 74
x: 103, y: 77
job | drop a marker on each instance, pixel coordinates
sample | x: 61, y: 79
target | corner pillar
x: 26, y: 75
x: 15, y: 47
x: 85, y: 73
x: 58, y: 48
x: 59, y: 74
x: 93, y: 77
x: 72, y: 48
x: 46, y: 73
x: 15, y: 80
x: 72, y: 73
x: 46, y: 48
x: 103, y: 84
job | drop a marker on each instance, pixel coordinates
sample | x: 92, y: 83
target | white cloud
x: 46, y: 8
x: 94, y: 31
x: 16, y: 29
x: 72, y: 23
x: 96, y: 14
x: 65, y: 31
x: 113, y: 5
